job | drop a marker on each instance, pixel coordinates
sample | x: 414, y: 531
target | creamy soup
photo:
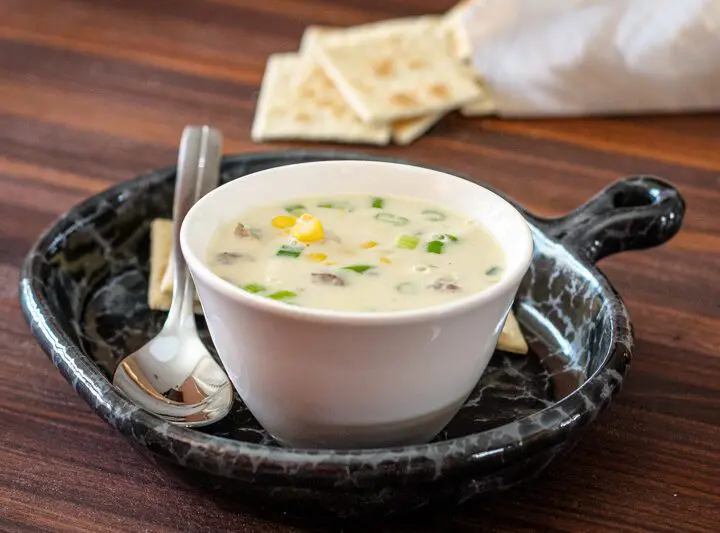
x: 356, y: 253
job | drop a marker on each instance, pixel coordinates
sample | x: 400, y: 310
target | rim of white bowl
x: 511, y: 275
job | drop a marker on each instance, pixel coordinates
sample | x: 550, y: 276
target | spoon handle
x: 198, y: 173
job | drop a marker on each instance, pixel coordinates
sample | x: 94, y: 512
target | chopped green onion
x: 406, y: 288
x: 407, y: 242
x: 360, y: 269
x: 378, y: 203
x: 433, y: 216
x: 493, y: 271
x: 392, y: 219
x: 294, y: 209
x: 282, y: 295
x: 335, y: 205
x: 445, y: 237
x: 435, y: 247
x: 287, y: 250
x: 253, y: 288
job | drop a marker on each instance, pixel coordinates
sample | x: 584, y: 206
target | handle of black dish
x: 631, y: 214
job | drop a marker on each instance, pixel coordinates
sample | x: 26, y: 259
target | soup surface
x: 356, y: 253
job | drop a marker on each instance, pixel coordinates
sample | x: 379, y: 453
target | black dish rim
x: 491, y: 448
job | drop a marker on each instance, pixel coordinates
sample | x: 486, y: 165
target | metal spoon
x: 173, y: 375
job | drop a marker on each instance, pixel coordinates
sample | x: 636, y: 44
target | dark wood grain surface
x: 93, y: 92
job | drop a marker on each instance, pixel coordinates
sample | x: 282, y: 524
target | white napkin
x: 584, y: 57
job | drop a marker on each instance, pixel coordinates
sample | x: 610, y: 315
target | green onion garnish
x: 392, y: 219
x: 433, y: 216
x: 378, y: 203
x: 407, y: 242
x: 294, y: 209
x: 493, y: 271
x: 360, y: 269
x: 435, y: 247
x: 254, y: 288
x: 335, y: 205
x: 287, y: 250
x: 282, y: 295
x: 445, y: 237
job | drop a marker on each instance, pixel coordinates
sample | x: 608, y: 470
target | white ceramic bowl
x: 324, y: 379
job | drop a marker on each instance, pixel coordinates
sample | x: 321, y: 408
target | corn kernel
x: 318, y: 258
x: 385, y: 260
x: 369, y: 244
x: 283, y: 221
x: 308, y: 229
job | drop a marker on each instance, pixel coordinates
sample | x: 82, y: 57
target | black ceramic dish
x: 83, y: 291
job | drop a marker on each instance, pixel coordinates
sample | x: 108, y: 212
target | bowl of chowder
x: 355, y: 304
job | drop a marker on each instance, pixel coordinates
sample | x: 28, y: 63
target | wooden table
x: 93, y: 92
